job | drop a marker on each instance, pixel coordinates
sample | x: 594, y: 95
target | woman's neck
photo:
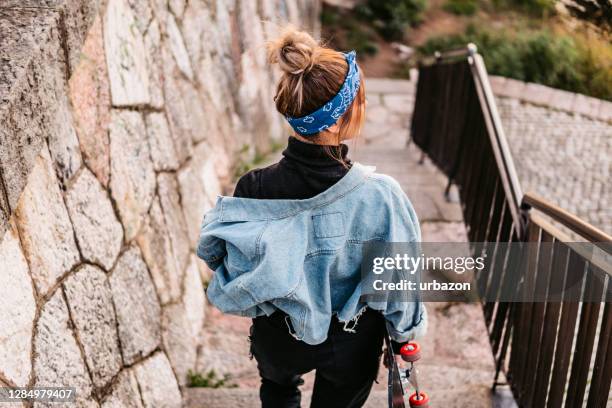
x: 323, y: 138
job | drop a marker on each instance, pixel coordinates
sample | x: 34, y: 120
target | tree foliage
x: 392, y: 17
x: 539, y: 56
x: 597, y: 12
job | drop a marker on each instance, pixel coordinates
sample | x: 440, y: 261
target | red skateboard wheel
x: 421, y: 401
x: 411, y: 351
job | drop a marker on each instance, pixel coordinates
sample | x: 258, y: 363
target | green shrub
x: 208, y: 380
x: 329, y: 16
x: 535, y: 7
x: 348, y: 31
x: 461, y: 7
x: 392, y: 17
x: 537, y: 56
x: 361, y: 41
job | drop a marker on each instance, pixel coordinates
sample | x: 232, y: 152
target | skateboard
x: 400, y: 377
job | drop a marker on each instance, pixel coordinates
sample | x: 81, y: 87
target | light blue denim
x: 303, y: 256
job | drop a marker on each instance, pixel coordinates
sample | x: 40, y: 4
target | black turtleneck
x: 304, y: 171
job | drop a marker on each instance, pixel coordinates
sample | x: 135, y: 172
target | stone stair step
x: 472, y: 396
x: 447, y: 385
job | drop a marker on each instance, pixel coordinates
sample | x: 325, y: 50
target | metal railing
x: 553, y: 353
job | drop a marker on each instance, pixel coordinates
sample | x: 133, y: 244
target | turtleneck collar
x: 313, y: 154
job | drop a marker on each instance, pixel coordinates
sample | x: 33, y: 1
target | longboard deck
x: 396, y: 390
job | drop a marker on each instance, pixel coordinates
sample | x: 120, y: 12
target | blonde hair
x: 312, y: 74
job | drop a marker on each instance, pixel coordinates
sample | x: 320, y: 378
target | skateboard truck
x: 411, y: 352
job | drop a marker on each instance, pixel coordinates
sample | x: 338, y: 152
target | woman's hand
x: 397, y: 357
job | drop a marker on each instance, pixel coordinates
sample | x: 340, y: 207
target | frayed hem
x: 291, y: 329
x: 354, y: 320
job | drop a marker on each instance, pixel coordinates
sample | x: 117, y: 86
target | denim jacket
x: 303, y: 256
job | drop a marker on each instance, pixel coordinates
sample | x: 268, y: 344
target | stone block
x: 63, y: 142
x: 24, y: 34
x: 143, y: 13
x: 91, y: 307
x: 98, y: 232
x: 160, y: 12
x: 223, y: 21
x: 250, y: 108
x: 196, y: 27
x: 170, y: 201
x: 90, y: 95
x: 6, y: 4
x: 252, y: 32
x: 125, y: 56
x: 76, y: 19
x: 497, y: 83
x: 132, y: 176
x: 46, y: 231
x: 194, y: 199
x: 201, y: 114
x: 538, y: 94
x: 156, y: 247
x: 178, y: 340
x: 57, y: 358
x: 177, y: 7
x: 586, y: 105
x: 200, y: 186
x: 176, y: 106
x: 513, y: 88
x: 177, y: 46
x: 193, y: 297
x: 161, y: 143
x: 206, y: 164
x: 214, y: 80
x: 209, y: 54
x: 157, y: 383
x: 137, y: 306
x: 270, y: 17
x: 293, y: 12
x: 124, y: 393
x: 152, y: 43
x: 29, y: 76
x: 17, y: 309
x: 562, y: 100
x: 605, y: 111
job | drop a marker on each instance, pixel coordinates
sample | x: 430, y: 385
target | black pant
x: 346, y: 363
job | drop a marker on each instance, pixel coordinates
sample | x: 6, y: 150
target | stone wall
x: 562, y: 146
x: 119, y: 122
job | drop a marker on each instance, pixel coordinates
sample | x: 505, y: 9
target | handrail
x: 456, y: 122
x: 448, y: 55
x: 599, y: 257
x: 501, y: 150
x: 503, y: 157
x: 568, y: 219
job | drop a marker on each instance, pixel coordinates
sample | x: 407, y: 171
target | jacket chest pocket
x: 328, y: 225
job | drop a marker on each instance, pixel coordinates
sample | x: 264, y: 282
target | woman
x: 286, y: 249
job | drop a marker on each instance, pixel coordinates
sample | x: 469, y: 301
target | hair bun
x: 296, y: 52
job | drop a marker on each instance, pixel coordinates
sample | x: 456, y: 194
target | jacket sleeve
x: 243, y: 281
x: 406, y: 320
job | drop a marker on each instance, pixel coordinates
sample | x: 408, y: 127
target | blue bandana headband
x: 327, y: 115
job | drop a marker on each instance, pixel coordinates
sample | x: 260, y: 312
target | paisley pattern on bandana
x: 329, y: 113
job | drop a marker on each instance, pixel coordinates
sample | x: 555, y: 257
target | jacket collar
x: 235, y: 209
